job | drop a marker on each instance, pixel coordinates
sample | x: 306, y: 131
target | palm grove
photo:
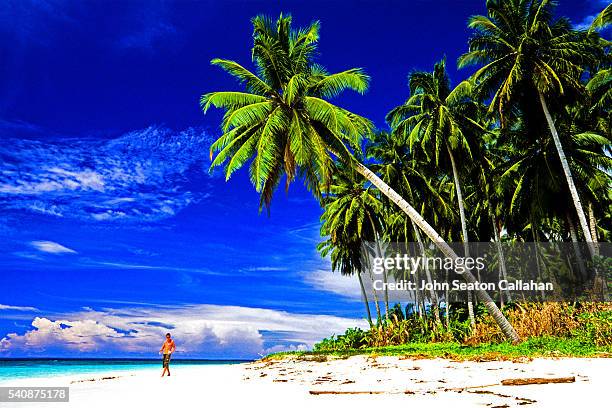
x: 521, y: 146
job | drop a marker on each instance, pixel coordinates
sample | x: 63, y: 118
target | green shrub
x: 353, y: 338
x: 587, y: 324
x: 595, y: 328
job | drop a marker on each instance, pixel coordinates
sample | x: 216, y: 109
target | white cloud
x: 123, y: 265
x: 199, y: 330
x: 346, y: 286
x: 586, y: 22
x: 266, y: 269
x: 280, y: 348
x: 52, y: 247
x: 18, y: 308
x: 81, y: 335
x: 139, y: 176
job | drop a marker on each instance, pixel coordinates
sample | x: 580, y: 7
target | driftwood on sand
x: 327, y: 392
x: 530, y: 381
x: 510, y: 381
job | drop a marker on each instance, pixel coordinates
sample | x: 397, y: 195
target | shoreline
x: 359, y: 379
x: 52, y: 367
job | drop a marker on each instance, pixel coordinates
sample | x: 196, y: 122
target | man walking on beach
x: 167, y: 349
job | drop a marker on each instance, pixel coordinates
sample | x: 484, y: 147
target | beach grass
x: 531, y: 348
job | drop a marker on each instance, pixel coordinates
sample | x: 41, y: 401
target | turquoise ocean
x: 11, y: 369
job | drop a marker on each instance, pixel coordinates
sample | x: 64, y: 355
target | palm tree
x: 435, y: 117
x: 352, y: 214
x: 525, y: 54
x: 397, y: 167
x: 414, y: 179
x: 284, y: 120
x: 285, y: 124
x: 488, y: 208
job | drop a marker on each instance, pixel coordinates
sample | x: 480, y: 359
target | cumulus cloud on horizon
x: 200, y: 330
x: 139, y: 176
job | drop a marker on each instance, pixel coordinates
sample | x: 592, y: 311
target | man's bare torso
x: 168, y: 347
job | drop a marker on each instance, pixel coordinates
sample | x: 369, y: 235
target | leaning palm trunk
x: 490, y: 305
x: 568, y: 176
x: 466, y: 248
x: 365, y: 299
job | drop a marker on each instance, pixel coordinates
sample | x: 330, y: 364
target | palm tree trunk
x: 568, y: 175
x: 464, y: 234
x: 374, y: 295
x: 432, y: 293
x: 598, y: 274
x: 386, y: 294
x: 380, y: 254
x: 459, y: 201
x: 502, y: 259
x: 539, y: 259
x: 376, y: 304
x: 490, y: 305
x: 385, y: 279
x: 593, y: 227
x: 447, y: 301
x: 574, y: 237
x: 377, y: 307
x: 365, y: 299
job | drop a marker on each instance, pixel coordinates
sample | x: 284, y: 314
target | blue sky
x: 111, y: 228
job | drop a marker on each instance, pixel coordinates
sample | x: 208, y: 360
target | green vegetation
x: 535, y: 347
x: 517, y: 152
x: 550, y: 330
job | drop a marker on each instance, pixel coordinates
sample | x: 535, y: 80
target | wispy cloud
x: 266, y: 269
x: 150, y: 27
x: 598, y: 6
x: 18, y: 308
x: 139, y: 176
x: 30, y: 20
x: 199, y: 330
x: 136, y: 28
x: 586, y: 22
x: 52, y: 247
x: 325, y: 280
x: 123, y: 265
x: 12, y: 127
x: 148, y: 38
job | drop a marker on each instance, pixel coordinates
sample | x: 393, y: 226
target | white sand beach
x: 435, y: 382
